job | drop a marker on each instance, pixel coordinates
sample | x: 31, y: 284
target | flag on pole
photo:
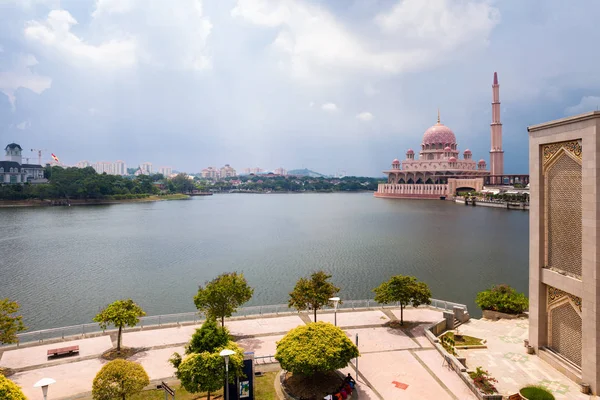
x: 55, y: 158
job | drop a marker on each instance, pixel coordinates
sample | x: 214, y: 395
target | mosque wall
x: 564, y: 256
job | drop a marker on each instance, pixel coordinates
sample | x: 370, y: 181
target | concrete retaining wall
x: 496, y: 315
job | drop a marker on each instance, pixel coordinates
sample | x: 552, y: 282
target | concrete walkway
x: 508, y: 362
x: 393, y: 364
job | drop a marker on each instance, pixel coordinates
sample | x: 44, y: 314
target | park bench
x: 63, y: 351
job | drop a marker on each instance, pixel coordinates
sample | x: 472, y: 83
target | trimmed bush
x: 315, y: 348
x: 9, y: 390
x: 502, y: 298
x: 536, y: 393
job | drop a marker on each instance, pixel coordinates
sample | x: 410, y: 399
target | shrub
x: 502, y: 298
x: 536, y: 393
x: 483, y: 381
x: 119, y: 379
x: 315, y: 348
x: 9, y: 390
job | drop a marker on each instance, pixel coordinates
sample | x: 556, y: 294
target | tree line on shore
x: 86, y: 183
x: 276, y: 183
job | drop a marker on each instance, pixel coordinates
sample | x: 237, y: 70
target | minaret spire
x: 438, y: 115
x: 496, y: 152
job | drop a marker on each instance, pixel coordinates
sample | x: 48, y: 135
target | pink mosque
x: 439, y: 172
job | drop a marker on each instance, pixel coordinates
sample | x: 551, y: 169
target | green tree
x: 315, y: 348
x: 502, y: 298
x: 223, y: 295
x: 120, y: 313
x: 10, y: 390
x: 313, y: 293
x: 404, y: 290
x: 205, y: 372
x: 119, y: 379
x: 208, y: 337
x: 10, y: 324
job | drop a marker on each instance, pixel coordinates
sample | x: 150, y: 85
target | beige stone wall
x: 564, y: 222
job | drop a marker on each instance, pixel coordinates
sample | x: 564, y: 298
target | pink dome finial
x: 495, y: 78
x: 438, y: 116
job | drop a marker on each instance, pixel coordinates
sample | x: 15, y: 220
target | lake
x: 63, y: 264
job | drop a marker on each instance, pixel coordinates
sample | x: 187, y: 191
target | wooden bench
x: 63, y: 351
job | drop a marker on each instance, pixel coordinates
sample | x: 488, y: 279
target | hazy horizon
x: 328, y: 86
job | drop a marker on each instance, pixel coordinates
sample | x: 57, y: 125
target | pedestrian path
x: 413, y: 368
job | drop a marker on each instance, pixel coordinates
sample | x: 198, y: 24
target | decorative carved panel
x: 555, y: 295
x: 563, y: 211
x: 565, y: 332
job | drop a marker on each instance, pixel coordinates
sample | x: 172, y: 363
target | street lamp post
x: 44, y: 383
x: 335, y: 300
x: 225, y: 354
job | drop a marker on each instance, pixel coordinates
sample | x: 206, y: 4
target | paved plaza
x: 394, y: 364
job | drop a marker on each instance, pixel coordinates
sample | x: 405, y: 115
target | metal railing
x: 85, y: 330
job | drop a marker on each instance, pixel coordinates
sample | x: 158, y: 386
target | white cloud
x: 587, y: 103
x: 311, y: 104
x: 55, y: 34
x: 126, y: 33
x: 316, y: 45
x: 20, y: 75
x: 329, y: 107
x: 441, y: 24
x: 365, y: 116
x: 24, y: 125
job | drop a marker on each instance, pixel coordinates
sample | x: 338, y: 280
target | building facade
x: 438, y: 171
x: 227, y: 172
x: 210, y: 173
x: 165, y: 171
x: 12, y: 169
x: 564, y: 245
x: 147, y: 168
x: 280, y: 171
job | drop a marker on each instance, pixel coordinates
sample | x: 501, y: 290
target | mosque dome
x: 447, y: 148
x: 467, y: 151
x: 395, y: 161
x: 482, y: 161
x: 410, y: 151
x: 439, y: 133
x: 452, y: 159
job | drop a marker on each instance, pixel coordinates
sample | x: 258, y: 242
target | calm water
x: 64, y: 263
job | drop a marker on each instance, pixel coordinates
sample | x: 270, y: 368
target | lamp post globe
x: 335, y: 301
x: 44, y: 383
x: 225, y: 354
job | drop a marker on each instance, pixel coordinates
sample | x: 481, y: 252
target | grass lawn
x: 464, y: 341
x: 264, y: 389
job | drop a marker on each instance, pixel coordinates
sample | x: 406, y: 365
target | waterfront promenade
x: 394, y: 364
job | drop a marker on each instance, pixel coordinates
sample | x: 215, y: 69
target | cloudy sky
x: 338, y: 85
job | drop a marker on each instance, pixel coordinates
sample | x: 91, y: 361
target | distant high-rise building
x: 280, y: 171
x: 210, y: 173
x: 83, y: 164
x: 119, y: 167
x: 253, y: 170
x: 146, y: 167
x: 165, y: 171
x: 102, y: 167
x: 227, y: 171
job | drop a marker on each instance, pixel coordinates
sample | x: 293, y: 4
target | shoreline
x: 86, y: 202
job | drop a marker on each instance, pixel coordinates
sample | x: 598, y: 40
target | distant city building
x: 564, y: 243
x: 165, y: 171
x: 210, y: 173
x: 227, y: 172
x: 102, y: 167
x: 83, y: 164
x: 280, y: 171
x: 147, y: 168
x: 119, y: 168
x: 12, y: 170
x: 141, y: 171
x: 254, y: 170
